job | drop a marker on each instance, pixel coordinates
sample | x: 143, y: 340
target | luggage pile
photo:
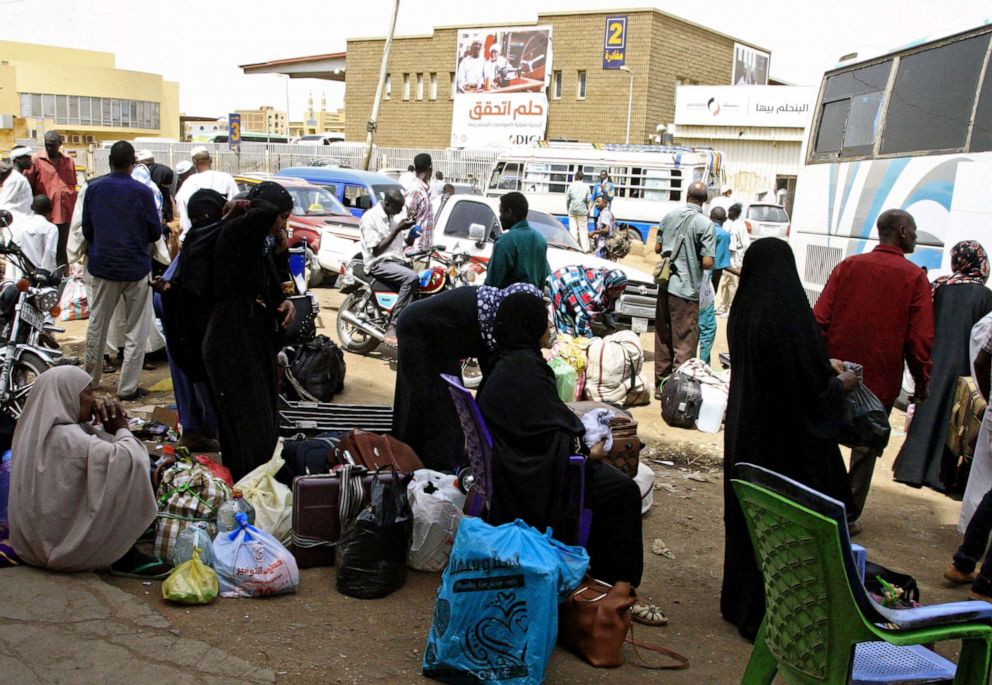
x: 606, y: 369
x: 695, y: 396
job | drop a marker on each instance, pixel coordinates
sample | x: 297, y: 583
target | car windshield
x: 315, y: 201
x: 553, y: 231
x: 767, y: 213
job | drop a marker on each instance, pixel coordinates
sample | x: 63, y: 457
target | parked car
x: 470, y: 223
x: 316, y: 213
x: 356, y: 190
x: 766, y: 220
x: 320, y: 139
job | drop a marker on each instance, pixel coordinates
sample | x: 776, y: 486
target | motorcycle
x: 28, y: 347
x: 364, y: 314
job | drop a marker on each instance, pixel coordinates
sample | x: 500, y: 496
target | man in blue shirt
x: 605, y: 188
x: 120, y: 222
x: 707, y: 293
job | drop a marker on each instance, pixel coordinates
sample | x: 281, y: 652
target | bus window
x: 934, y: 94
x: 981, y: 132
x: 675, y: 194
x: 848, y: 119
x: 506, y: 176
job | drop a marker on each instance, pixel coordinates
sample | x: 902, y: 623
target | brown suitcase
x: 316, y: 520
x: 626, y: 451
x: 374, y: 451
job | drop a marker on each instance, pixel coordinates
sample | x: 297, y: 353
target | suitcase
x: 374, y: 451
x: 316, y: 516
x: 626, y: 451
x: 680, y: 401
x: 308, y: 457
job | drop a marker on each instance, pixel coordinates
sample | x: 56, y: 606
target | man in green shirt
x: 520, y: 254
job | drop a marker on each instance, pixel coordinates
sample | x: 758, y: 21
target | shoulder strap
x: 682, y: 661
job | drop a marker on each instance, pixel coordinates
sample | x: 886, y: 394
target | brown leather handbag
x: 594, y: 622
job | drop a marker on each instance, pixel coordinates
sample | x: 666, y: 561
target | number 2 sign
x: 615, y: 42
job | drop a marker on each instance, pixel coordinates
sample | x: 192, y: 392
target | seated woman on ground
x: 534, y: 433
x: 80, y: 496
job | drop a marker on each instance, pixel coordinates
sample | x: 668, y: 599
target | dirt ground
x: 320, y: 636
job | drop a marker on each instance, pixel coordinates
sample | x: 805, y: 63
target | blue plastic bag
x: 496, y: 616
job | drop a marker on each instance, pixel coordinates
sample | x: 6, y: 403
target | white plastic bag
x: 706, y: 293
x: 251, y: 563
x: 436, y: 518
x: 273, y: 501
x: 645, y: 483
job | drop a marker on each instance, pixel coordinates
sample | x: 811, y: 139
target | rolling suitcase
x: 626, y: 451
x: 680, y: 401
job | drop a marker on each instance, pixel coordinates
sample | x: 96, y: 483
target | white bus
x: 650, y: 180
x: 910, y: 129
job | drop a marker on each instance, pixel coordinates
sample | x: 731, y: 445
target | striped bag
x: 187, y: 493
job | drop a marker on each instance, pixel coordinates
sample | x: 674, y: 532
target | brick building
x: 662, y: 51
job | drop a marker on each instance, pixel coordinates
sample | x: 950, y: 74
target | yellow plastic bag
x: 192, y: 582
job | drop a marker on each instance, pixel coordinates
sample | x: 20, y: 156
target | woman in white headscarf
x: 80, y: 496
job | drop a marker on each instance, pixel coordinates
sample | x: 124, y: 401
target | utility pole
x: 383, y: 68
x: 630, y: 99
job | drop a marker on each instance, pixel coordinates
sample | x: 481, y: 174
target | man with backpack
x: 686, y: 238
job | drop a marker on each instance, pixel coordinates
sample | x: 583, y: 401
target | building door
x: 788, y: 184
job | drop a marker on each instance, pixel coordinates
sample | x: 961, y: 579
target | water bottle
x: 195, y: 535
x: 227, y: 511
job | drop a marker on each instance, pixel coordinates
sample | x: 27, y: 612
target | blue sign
x: 615, y: 43
x: 234, y: 132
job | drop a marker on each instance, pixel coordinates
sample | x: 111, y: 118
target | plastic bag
x: 193, y: 537
x: 252, y: 563
x: 75, y: 301
x: 371, y: 555
x: 273, y: 501
x: 866, y: 423
x: 565, y: 379
x: 191, y: 582
x: 436, y: 517
x: 707, y: 296
x: 496, y: 616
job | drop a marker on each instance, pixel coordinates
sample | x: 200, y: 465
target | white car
x: 765, y: 220
x: 470, y: 223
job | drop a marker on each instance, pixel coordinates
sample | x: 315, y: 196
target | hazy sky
x: 201, y: 44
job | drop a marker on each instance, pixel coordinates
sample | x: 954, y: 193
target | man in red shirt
x: 54, y: 174
x: 876, y: 310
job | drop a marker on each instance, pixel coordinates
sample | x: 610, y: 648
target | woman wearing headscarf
x: 244, y: 332
x: 784, y: 411
x: 80, y: 496
x: 433, y: 336
x: 534, y: 433
x: 960, y: 300
x: 578, y: 295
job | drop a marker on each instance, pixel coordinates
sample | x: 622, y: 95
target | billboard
x: 234, y: 131
x: 501, y: 78
x: 615, y: 43
x: 773, y: 106
x: 750, y: 66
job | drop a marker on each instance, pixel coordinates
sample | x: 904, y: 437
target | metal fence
x: 456, y: 165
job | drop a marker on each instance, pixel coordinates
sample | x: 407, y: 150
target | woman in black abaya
x: 243, y: 335
x: 784, y: 411
x: 959, y: 302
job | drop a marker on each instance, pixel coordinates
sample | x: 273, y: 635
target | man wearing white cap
x: 15, y: 190
x: 492, y: 70
x: 205, y: 177
x: 470, y: 78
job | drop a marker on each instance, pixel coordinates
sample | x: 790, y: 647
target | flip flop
x: 143, y: 572
x: 648, y: 614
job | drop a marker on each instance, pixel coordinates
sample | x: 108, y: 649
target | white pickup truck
x: 460, y: 215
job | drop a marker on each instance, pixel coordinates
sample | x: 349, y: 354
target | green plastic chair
x: 820, y: 625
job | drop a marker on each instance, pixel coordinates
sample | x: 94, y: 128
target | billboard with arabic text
x: 769, y: 106
x: 501, y: 86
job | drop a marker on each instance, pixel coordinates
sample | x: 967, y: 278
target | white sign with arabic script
x: 769, y: 106
x: 501, y: 86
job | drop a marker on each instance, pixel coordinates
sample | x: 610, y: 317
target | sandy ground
x: 320, y: 636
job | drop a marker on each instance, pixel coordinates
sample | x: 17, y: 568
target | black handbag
x: 314, y: 370
x: 304, y: 326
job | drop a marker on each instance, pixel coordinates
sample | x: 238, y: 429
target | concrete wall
x: 31, y: 52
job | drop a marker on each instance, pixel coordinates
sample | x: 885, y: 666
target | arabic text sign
x: 500, y: 86
x: 234, y: 132
x: 615, y: 43
x: 770, y: 106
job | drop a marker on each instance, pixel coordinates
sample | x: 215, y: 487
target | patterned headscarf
x: 489, y: 300
x: 970, y: 264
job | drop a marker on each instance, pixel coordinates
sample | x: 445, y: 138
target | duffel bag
x: 308, y: 456
x: 314, y: 370
x: 613, y: 374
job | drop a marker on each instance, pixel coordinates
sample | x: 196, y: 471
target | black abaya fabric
x: 924, y: 458
x: 784, y: 410
x: 241, y: 342
x: 434, y: 335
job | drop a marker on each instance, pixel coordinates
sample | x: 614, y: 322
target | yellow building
x: 265, y: 119
x: 318, y: 122
x: 81, y: 94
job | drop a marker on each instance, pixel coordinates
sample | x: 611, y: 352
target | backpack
x: 965, y: 420
x: 618, y: 244
x: 613, y: 373
x: 315, y: 370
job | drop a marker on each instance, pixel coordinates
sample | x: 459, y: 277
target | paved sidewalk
x: 78, y: 629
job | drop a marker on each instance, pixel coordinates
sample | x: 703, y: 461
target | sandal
x: 648, y: 614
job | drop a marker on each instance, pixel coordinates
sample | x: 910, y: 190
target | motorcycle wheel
x: 351, y: 338
x: 22, y: 378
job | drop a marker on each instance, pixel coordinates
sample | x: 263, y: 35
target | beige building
x: 83, y: 95
x: 318, y: 122
x: 265, y: 119
x: 662, y: 52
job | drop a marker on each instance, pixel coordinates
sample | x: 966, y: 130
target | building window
x: 26, y: 105
x: 556, y: 86
x: 406, y: 86
x: 73, y: 109
x: 389, y: 87
x: 420, y: 86
x: 451, y: 87
x: 580, y: 92
x: 48, y: 106
x: 433, y: 86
